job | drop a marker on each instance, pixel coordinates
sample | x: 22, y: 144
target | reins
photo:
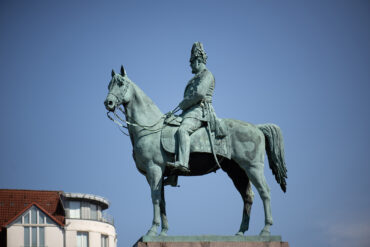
x: 119, y: 121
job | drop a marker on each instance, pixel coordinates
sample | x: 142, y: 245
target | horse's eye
x: 120, y: 83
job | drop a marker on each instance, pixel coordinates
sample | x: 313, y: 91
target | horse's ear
x: 113, y: 73
x: 123, y: 71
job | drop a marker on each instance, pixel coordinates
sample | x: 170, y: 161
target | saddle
x: 199, y: 140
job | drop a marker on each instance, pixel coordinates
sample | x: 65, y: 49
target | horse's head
x: 119, y: 90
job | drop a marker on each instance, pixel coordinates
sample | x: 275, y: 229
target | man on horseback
x: 153, y: 145
x: 197, y: 109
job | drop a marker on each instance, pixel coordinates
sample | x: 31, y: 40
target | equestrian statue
x: 195, y: 142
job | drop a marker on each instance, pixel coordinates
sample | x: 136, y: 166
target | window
x: 26, y: 218
x: 49, y: 221
x: 74, y: 210
x: 93, y: 211
x: 41, y: 218
x: 34, y: 236
x: 26, y: 236
x: 82, y: 239
x: 18, y: 221
x: 104, y: 241
x: 34, y: 221
x: 33, y: 216
x: 41, y: 236
x: 85, y: 210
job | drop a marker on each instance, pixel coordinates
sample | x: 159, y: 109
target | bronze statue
x: 238, y: 148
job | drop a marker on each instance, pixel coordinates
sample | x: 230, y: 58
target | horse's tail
x: 275, y: 152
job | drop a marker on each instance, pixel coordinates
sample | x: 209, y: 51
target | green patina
x: 246, y: 143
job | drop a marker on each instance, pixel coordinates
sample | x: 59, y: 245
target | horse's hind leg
x: 256, y: 174
x: 242, y: 184
x: 247, y: 196
x: 163, y: 213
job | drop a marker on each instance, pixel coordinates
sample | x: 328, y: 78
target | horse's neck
x: 142, y: 111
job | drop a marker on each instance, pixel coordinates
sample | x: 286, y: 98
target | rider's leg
x: 188, y: 126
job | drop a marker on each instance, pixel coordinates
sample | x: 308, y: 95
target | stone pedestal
x: 211, y: 241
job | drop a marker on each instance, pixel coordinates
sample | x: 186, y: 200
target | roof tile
x: 12, y: 202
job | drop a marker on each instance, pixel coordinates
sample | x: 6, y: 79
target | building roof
x: 104, y: 203
x: 14, y: 202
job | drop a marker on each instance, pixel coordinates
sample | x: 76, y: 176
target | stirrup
x: 177, y: 166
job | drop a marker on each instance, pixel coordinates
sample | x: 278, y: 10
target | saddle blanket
x: 199, y: 142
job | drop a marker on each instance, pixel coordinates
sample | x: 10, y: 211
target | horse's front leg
x: 163, y: 213
x: 154, y: 176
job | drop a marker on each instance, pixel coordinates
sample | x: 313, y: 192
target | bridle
x: 119, y: 121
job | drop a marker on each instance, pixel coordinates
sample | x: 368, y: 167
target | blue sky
x: 303, y: 65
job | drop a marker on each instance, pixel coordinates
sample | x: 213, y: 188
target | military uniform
x: 197, y: 108
x: 198, y: 96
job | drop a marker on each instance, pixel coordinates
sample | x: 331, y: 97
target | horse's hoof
x: 265, y: 233
x: 163, y: 234
x: 239, y: 234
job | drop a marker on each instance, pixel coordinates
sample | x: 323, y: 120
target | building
x: 35, y: 218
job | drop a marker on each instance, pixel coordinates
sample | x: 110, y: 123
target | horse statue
x: 145, y: 123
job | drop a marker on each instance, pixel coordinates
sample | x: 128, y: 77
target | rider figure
x: 196, y: 106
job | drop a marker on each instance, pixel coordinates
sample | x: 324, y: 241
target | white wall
x: 94, y: 228
x: 54, y: 236
x: 70, y: 238
x: 112, y: 241
x: 15, y: 236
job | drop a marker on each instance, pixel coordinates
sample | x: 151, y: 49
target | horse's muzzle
x: 109, y: 105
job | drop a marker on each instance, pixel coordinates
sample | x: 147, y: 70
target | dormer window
x: 33, y: 216
x: 34, y: 222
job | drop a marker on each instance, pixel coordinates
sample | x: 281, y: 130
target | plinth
x: 211, y: 241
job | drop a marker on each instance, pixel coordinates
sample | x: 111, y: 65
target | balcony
x: 107, y: 218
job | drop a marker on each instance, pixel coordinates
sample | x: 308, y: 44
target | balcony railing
x: 106, y: 218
